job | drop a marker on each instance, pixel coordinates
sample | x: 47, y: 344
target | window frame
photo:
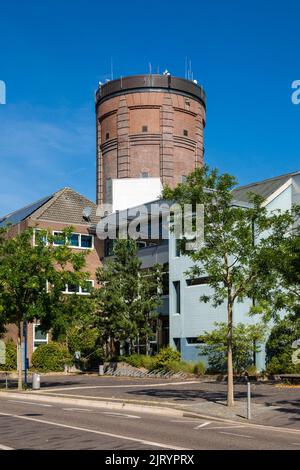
x: 40, y: 341
x: 80, y: 291
x: 57, y: 232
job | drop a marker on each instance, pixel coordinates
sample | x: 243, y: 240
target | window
x: 183, y: 178
x: 199, y: 281
x: 194, y: 341
x: 81, y: 290
x: 59, y: 239
x: 107, y: 135
x: 177, y: 303
x: 144, y: 174
x: 76, y: 240
x: 87, y: 287
x: 177, y: 344
x: 86, y: 241
x: 37, y: 233
x: 39, y: 337
x: 72, y: 288
x: 145, y: 129
x: 185, y: 132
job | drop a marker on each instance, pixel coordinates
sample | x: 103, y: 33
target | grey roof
x: 21, y: 214
x: 263, y: 188
x: 64, y: 206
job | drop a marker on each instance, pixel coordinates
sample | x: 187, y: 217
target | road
x: 33, y: 425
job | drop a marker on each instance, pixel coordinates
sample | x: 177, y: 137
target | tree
x: 245, y: 343
x: 127, y: 298
x: 33, y: 276
x: 236, y: 238
x: 283, y: 268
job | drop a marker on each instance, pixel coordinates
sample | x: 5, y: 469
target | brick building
x: 148, y: 126
x: 61, y: 209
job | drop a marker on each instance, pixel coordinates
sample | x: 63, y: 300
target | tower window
x: 144, y: 174
x: 107, y: 135
x: 185, y: 132
x: 144, y: 128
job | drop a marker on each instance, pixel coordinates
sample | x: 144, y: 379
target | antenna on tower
x: 185, y: 67
x: 150, y: 68
x: 111, y: 68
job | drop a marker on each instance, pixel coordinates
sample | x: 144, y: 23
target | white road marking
x: 118, y: 386
x: 29, y: 403
x: 5, y: 447
x: 101, y: 433
x: 184, y: 420
x: 109, y: 413
x: 226, y: 427
x: 238, y: 435
x: 202, y: 425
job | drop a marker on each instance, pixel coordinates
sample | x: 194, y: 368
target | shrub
x: 199, y: 368
x: 166, y: 356
x: 140, y: 360
x: 51, y: 357
x: 252, y: 370
x: 135, y: 360
x: 10, y: 356
x: 279, y: 347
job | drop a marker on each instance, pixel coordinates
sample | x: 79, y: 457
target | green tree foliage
x: 279, y: 347
x: 283, y: 268
x: 229, y: 257
x: 33, y: 276
x: 127, y: 300
x: 245, y: 343
x: 51, y: 357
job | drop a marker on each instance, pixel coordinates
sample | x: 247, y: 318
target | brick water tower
x: 148, y: 126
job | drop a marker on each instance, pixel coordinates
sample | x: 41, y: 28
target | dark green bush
x: 10, y: 357
x: 51, y: 357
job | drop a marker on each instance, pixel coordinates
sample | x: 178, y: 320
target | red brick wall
x: 164, y: 151
x: 93, y: 261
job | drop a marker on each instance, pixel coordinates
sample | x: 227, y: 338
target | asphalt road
x: 33, y: 425
x: 275, y: 406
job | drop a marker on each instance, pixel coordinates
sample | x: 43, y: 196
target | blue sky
x: 53, y: 53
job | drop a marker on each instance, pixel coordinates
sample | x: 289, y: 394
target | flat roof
x: 150, y: 82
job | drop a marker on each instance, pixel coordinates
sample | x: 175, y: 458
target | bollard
x: 36, y: 381
x: 101, y: 369
x: 248, y: 400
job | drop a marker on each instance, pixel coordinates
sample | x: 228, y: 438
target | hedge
x: 51, y: 357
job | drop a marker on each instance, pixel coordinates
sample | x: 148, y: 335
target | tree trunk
x: 19, y: 359
x: 230, y: 395
x: 147, y: 345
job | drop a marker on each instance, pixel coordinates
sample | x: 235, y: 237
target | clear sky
x: 53, y: 53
